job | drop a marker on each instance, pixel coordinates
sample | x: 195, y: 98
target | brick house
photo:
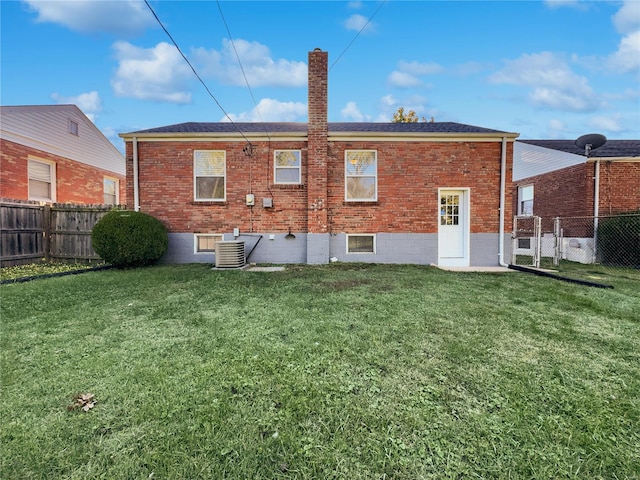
x: 554, y: 178
x: 421, y: 193
x: 55, y: 154
x: 570, y: 193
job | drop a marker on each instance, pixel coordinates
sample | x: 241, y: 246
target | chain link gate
x: 526, y: 241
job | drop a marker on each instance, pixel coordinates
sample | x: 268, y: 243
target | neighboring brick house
x: 55, y: 154
x: 421, y: 193
x: 554, y: 178
x: 571, y: 193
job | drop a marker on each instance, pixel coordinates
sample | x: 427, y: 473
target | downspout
x: 596, y: 207
x: 136, y: 191
x: 503, y: 182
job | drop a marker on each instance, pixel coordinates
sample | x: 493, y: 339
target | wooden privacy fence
x: 31, y: 232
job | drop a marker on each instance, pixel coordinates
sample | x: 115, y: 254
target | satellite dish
x: 590, y: 141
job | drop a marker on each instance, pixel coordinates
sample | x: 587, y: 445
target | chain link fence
x: 578, y: 246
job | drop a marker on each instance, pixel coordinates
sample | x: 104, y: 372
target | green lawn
x: 329, y: 372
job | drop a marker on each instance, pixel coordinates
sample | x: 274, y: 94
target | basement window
x: 361, y: 243
x: 206, y: 242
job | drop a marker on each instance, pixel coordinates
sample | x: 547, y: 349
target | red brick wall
x: 409, y: 175
x: 75, y: 182
x: 569, y: 192
x: 619, y: 187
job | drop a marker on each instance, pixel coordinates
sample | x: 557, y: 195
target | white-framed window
x: 111, y: 191
x: 206, y: 242
x: 42, y: 180
x: 361, y: 243
x: 525, y: 200
x: 361, y: 175
x: 209, y: 175
x: 287, y: 165
x: 73, y: 127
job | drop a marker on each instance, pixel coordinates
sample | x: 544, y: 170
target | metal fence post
x: 557, y: 234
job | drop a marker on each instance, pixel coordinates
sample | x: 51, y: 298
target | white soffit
x: 531, y: 160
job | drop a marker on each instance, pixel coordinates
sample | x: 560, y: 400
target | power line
x: 358, y: 34
x: 196, y: 73
x: 239, y: 62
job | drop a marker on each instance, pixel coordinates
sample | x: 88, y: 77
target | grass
x: 340, y: 371
x: 8, y: 274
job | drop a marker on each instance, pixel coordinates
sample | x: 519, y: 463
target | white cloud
x: 351, y: 112
x: 554, y: 85
x: 90, y: 103
x: 627, y: 19
x: 388, y: 101
x: 408, y: 74
x: 257, y: 64
x: 270, y: 110
x: 159, y: 73
x: 123, y: 17
x: 403, y: 80
x: 606, y: 124
x: 627, y: 58
x: 359, y: 23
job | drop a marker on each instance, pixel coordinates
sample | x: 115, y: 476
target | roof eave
x: 332, y: 136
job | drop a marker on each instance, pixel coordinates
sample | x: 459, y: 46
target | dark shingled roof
x: 612, y: 148
x: 339, y: 127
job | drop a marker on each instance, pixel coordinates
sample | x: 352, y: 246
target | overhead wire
x: 358, y: 34
x: 194, y: 71
x: 235, y: 50
x: 246, y: 80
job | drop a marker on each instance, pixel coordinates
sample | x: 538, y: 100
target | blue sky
x: 544, y: 69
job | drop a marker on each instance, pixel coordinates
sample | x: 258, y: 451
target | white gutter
x: 503, y: 182
x: 136, y: 190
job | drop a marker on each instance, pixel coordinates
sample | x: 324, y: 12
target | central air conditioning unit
x: 230, y: 254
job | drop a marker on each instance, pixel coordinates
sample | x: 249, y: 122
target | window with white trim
x: 361, y: 243
x: 287, y: 166
x: 361, y: 175
x: 111, y: 191
x: 73, y: 127
x: 42, y: 180
x: 525, y: 200
x: 209, y: 175
x: 206, y: 242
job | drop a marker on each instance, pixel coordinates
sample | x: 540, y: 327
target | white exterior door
x: 453, y: 228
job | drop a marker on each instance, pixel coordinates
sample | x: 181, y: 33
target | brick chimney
x: 317, y: 224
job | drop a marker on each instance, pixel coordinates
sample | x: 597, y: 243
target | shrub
x: 619, y: 240
x: 128, y: 239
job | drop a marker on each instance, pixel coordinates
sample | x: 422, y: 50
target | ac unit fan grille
x: 230, y: 254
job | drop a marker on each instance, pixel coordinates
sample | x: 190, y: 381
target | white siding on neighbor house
x: 531, y: 160
x: 46, y: 128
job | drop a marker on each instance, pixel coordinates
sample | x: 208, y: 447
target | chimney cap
x: 317, y: 49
